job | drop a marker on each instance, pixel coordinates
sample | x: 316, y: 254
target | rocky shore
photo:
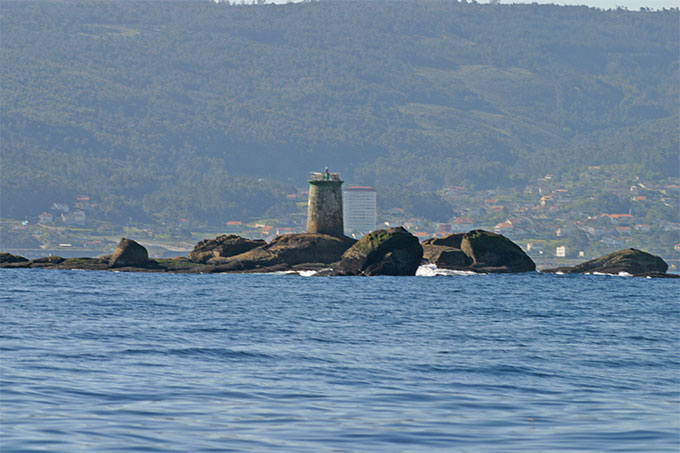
x: 392, y: 251
x: 630, y: 261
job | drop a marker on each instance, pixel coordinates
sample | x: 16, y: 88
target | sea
x: 442, y: 361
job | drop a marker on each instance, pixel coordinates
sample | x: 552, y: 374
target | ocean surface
x: 103, y: 361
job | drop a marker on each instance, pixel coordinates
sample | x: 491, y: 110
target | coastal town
x: 555, y: 219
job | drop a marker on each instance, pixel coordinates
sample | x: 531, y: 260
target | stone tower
x: 324, y: 210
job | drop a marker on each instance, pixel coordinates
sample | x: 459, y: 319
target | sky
x: 602, y: 4
x: 610, y: 4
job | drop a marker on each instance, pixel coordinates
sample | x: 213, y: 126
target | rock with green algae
x: 223, y: 246
x: 129, y: 253
x: 47, y: 261
x: 491, y: 252
x: 8, y: 260
x: 452, y: 240
x: 630, y: 261
x: 477, y: 251
x: 445, y: 257
x: 393, y: 251
x: 285, y: 251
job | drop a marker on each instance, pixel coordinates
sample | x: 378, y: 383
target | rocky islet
x: 392, y: 251
x: 629, y: 261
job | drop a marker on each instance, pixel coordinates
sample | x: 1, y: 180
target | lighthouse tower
x: 324, y: 209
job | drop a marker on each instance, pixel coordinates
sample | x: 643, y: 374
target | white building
x: 359, y: 210
x: 74, y: 218
x: 461, y: 225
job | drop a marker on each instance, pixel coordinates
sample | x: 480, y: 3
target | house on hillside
x: 234, y: 225
x: 611, y: 241
x: 594, y: 230
x: 619, y: 219
x: 63, y: 207
x: 45, y: 217
x: 504, y: 228
x: 643, y: 227
x: 444, y: 229
x: 623, y: 230
x: 547, y: 200
x: 669, y: 226
x: 534, y: 248
x: 461, y: 225
x: 74, y: 218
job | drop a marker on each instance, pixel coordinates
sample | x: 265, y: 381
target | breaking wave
x: 431, y: 270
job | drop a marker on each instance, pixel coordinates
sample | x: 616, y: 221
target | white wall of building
x: 359, y: 210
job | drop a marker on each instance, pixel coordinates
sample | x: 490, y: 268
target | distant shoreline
x: 79, y: 252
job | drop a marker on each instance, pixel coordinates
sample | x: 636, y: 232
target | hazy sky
x: 603, y: 4
x: 606, y: 4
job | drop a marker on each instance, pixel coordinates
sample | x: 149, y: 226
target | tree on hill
x: 196, y: 109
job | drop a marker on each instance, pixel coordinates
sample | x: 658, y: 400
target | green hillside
x: 207, y: 111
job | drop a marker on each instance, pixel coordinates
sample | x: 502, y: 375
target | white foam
x: 431, y: 270
x: 620, y: 274
x: 309, y: 273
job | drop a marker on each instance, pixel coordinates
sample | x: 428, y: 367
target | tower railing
x: 324, y: 176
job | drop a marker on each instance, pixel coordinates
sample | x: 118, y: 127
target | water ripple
x: 484, y: 363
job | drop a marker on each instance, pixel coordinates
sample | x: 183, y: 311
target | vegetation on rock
x: 129, y: 253
x: 287, y: 250
x: 494, y: 252
x: 222, y: 247
x: 630, y: 261
x: 393, y: 251
x: 445, y: 257
x: 479, y: 251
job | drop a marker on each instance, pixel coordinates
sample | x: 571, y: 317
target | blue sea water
x: 101, y: 361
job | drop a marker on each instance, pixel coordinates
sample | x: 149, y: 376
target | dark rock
x: 393, y: 251
x: 631, y: 261
x: 657, y: 275
x: 259, y: 257
x: 105, y: 258
x: 289, y: 250
x: 223, y: 246
x: 85, y: 263
x: 452, y: 240
x: 20, y: 265
x: 52, y: 259
x: 179, y: 264
x: 478, y: 251
x: 129, y: 253
x: 445, y: 257
x: 491, y: 252
x: 47, y: 261
x: 236, y: 267
x: 295, y: 249
x: 148, y: 266
x: 8, y: 258
x: 15, y: 265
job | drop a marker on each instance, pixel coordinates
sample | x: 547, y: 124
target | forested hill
x: 210, y: 111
